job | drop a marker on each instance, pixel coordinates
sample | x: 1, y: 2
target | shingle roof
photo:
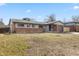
x: 25, y: 21
x: 71, y: 23
x: 33, y: 22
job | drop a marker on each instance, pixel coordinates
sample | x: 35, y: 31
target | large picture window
x: 21, y: 25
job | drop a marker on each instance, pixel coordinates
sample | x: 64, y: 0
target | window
x: 28, y: 25
x: 21, y: 25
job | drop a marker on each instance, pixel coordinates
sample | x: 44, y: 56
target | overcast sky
x: 39, y: 11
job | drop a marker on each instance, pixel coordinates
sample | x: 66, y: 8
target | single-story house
x: 27, y: 26
x: 72, y: 26
x: 3, y: 28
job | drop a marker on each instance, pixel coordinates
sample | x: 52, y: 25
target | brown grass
x: 39, y: 44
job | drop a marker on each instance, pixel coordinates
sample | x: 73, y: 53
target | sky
x: 38, y: 11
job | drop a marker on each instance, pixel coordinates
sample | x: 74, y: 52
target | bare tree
x: 51, y: 18
x: 75, y: 18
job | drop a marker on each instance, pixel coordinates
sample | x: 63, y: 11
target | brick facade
x: 66, y: 29
x: 25, y: 30
x: 57, y: 28
x: 28, y: 30
x: 60, y: 28
x: 39, y: 29
x: 73, y: 28
x: 77, y: 28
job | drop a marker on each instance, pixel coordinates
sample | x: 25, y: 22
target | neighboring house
x: 73, y: 26
x: 3, y: 28
x: 27, y: 26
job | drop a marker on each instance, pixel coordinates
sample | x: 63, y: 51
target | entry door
x: 49, y: 27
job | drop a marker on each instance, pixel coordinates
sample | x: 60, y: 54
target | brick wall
x: 60, y: 28
x: 77, y: 28
x: 28, y: 30
x: 25, y: 30
x: 66, y: 29
x: 57, y: 28
x: 71, y: 28
x: 74, y: 28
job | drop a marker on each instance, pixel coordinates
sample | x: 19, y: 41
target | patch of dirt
x: 40, y: 47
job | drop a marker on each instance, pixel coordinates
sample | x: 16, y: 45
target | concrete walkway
x: 74, y: 32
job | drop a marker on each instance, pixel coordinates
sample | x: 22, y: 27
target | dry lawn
x: 39, y: 44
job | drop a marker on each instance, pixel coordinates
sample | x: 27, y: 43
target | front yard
x: 39, y: 44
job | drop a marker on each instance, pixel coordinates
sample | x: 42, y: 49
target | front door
x: 49, y: 27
